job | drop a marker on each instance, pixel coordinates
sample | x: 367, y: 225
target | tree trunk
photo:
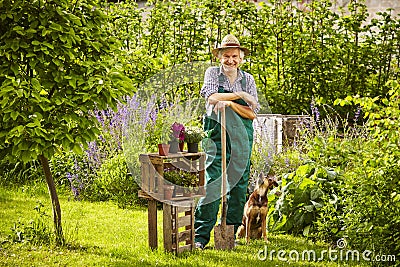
x: 54, y: 200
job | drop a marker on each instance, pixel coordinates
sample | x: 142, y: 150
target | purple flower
x: 72, y: 179
x: 178, y: 131
x: 357, y: 114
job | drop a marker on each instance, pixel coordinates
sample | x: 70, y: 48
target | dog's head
x: 268, y: 182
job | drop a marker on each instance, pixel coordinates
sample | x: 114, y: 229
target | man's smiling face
x: 230, y: 58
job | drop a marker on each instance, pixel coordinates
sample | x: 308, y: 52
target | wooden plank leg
x: 152, y: 223
x: 167, y: 227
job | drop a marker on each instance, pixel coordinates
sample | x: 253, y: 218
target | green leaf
x: 26, y: 156
x: 18, y: 28
x: 15, y: 45
x: 316, y: 193
x: 77, y: 149
x: 31, y: 125
x: 76, y: 20
x: 306, y: 230
x: 303, y: 170
x: 30, y: 30
x: 46, y: 31
x: 316, y: 204
x: 15, y: 68
x: 72, y: 82
x: 97, y: 46
x: 306, y: 182
x: 14, y: 115
x: 48, y: 45
x: 36, y: 84
x: 56, y: 27
x: 70, y: 138
x: 309, y: 208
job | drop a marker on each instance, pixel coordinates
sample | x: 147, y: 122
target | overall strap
x: 243, y: 81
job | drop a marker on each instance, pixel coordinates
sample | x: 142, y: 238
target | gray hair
x: 241, y: 52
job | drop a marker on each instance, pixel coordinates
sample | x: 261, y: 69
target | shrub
x: 372, y: 206
x: 303, y: 195
x: 114, y: 182
x: 20, y: 173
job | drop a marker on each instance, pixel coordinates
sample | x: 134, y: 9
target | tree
x: 57, y: 63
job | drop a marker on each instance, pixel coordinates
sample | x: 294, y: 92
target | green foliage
x: 36, y: 231
x: 20, y: 173
x: 350, y: 187
x: 175, y: 177
x: 96, y: 177
x: 114, y: 183
x: 181, y: 178
x: 303, y: 195
x: 372, y: 206
x: 57, y: 64
x: 161, y: 130
x: 296, y: 55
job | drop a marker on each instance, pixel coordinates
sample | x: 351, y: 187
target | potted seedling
x: 193, y: 136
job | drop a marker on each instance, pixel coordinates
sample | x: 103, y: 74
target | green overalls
x: 239, y: 133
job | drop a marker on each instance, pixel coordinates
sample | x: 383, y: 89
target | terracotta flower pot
x: 168, y: 191
x: 163, y: 149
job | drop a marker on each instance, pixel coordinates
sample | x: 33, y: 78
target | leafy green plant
x: 296, y: 210
x: 372, y: 206
x: 162, y: 128
x: 114, y: 183
x: 194, y: 135
x: 36, y: 231
x: 174, y: 176
x: 58, y: 61
x: 189, y: 179
x: 20, y: 173
x: 181, y: 177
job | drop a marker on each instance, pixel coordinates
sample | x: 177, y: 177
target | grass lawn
x: 101, y: 234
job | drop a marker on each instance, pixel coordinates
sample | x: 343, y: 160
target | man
x: 226, y: 87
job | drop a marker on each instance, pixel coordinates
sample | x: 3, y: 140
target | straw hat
x: 230, y: 41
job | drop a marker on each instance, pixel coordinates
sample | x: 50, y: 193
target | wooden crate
x: 178, y: 213
x: 153, y: 166
x: 178, y: 226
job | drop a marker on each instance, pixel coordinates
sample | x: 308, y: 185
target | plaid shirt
x: 211, y: 84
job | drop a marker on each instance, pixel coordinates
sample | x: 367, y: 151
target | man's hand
x: 220, y: 105
x: 250, y: 100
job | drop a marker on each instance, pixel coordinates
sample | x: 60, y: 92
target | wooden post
x: 167, y: 226
x: 152, y: 223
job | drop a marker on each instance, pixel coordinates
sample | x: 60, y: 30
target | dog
x: 254, y: 222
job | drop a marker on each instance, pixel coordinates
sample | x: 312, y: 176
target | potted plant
x: 189, y: 182
x: 173, y: 177
x: 193, y: 136
x: 162, y: 133
x: 177, y: 137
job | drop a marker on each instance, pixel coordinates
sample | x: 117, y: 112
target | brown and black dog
x: 254, y: 223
